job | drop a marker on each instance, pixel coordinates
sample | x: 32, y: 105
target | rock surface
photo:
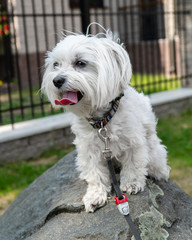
x: 51, y: 209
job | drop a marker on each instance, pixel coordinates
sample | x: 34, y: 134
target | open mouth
x: 69, y: 98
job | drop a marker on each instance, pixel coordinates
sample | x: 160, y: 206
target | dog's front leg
x: 95, y: 172
x: 134, y: 170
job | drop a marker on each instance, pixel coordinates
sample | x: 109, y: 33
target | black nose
x: 58, y: 81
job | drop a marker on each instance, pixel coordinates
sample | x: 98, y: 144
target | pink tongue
x: 68, y: 98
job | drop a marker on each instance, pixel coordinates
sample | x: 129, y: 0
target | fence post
x: 188, y: 40
x: 185, y: 21
x: 85, y: 16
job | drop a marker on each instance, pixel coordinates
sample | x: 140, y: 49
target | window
x: 152, y: 19
x: 92, y: 3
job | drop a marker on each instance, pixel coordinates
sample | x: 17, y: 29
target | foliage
x: 151, y: 83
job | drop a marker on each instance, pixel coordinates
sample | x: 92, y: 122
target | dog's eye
x: 81, y: 64
x: 55, y: 64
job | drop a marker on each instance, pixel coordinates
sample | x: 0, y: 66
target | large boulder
x: 51, y: 209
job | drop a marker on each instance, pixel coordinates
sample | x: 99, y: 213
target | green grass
x: 25, y: 98
x: 151, y: 83
x: 176, y: 133
x: 11, y: 176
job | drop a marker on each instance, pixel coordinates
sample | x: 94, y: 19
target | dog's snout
x: 58, y: 81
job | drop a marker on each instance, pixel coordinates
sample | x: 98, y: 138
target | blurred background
x: 157, y: 35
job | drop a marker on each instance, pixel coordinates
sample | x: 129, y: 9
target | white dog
x: 90, y: 76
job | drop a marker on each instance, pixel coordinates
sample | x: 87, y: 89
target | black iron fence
x: 156, y: 33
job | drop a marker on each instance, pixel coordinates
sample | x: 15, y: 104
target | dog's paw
x: 132, y: 187
x: 93, y: 200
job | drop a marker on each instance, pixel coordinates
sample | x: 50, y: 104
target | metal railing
x: 156, y: 34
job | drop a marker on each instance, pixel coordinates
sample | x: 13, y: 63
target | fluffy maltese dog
x: 90, y: 76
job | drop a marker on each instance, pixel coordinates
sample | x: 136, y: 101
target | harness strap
x: 114, y: 179
x: 120, y: 197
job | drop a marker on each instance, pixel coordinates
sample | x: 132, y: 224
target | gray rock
x: 51, y: 208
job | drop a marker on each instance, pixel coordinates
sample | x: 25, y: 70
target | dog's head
x: 85, y: 73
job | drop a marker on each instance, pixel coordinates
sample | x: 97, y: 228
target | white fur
x: 132, y: 130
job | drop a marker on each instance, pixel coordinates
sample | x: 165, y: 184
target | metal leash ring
x: 102, y: 132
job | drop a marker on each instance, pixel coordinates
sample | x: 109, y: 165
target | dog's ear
x: 113, y: 68
x: 119, y: 61
x: 123, y: 62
